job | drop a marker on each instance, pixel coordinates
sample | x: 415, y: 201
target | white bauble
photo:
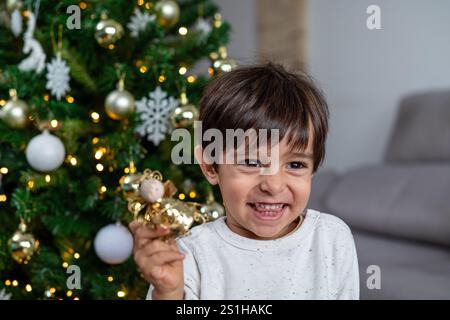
x: 113, y: 244
x: 45, y: 152
x: 151, y: 190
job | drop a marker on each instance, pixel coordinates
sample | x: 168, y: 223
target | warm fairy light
x: 102, y: 189
x: 15, y: 283
x: 95, y: 140
x: 69, y: 293
x: 2, y: 102
x: 140, y: 2
x: 183, y: 31
x: 76, y: 255
x: 70, y: 99
x: 46, y: 97
x: 95, y: 117
x: 182, y: 70
x: 3, y: 198
x: 4, y: 170
x: 26, y: 13
x: 54, y: 123
x: 48, y: 178
x: 111, y: 47
x: 99, y: 167
x: 110, y: 279
x: 143, y: 69
x: 211, y: 71
x: 100, y: 153
x: 83, y: 5
x: 191, y: 79
x: 7, y: 283
x: 148, y: 5
x: 181, y: 196
x: 30, y: 184
x: 192, y: 194
x: 162, y: 78
x: 73, y: 161
x: 52, y: 290
x: 65, y: 265
x: 76, y: 298
x: 126, y: 170
x: 121, y: 294
x: 28, y: 288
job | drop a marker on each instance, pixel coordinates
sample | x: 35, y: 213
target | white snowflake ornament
x: 139, y: 22
x: 154, y: 113
x: 4, y: 295
x: 58, y: 77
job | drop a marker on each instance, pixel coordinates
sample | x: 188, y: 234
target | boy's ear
x: 208, y: 170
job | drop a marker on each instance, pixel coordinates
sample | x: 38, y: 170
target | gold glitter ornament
x: 22, y: 244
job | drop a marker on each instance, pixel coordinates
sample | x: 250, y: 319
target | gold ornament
x: 108, y: 31
x: 12, y: 5
x: 120, y: 103
x: 22, y: 244
x: 167, y: 13
x: 167, y: 211
x: 15, y: 112
x: 130, y: 183
x: 184, y: 115
x: 212, y: 209
x: 223, y: 63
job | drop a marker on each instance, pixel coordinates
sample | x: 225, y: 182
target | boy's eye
x: 297, y: 165
x: 251, y: 163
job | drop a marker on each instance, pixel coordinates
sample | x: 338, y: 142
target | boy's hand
x: 161, y: 263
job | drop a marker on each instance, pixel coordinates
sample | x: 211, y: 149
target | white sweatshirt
x: 316, y: 261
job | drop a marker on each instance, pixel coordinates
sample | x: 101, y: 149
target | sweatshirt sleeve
x: 347, y: 287
x: 191, y: 274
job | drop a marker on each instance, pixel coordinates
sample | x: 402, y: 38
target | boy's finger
x: 145, y: 232
x: 165, y: 257
x: 133, y: 225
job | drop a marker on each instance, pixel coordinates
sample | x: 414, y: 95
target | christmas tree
x: 90, y: 92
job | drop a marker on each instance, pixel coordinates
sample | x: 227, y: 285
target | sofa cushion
x: 411, y: 201
x: 422, y: 129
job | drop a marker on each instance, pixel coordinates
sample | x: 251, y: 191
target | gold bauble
x: 15, y: 112
x: 223, y: 64
x: 167, y: 13
x: 130, y: 183
x: 212, y: 210
x: 12, y: 5
x: 173, y: 214
x: 184, y: 116
x: 119, y: 104
x: 22, y: 245
x: 108, y: 31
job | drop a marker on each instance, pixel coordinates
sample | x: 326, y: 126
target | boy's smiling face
x: 264, y: 206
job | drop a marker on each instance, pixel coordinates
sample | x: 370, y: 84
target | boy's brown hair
x: 268, y: 97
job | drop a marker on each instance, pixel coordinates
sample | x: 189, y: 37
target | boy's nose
x: 273, y: 183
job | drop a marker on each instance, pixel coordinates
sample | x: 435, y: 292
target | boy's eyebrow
x: 303, y: 155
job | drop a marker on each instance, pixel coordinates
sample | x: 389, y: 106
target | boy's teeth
x: 262, y: 206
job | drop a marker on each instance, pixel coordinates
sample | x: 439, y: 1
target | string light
x: 183, y: 31
x: 30, y: 184
x: 15, y: 283
x: 7, y: 283
x: 95, y: 117
x: 211, y: 71
x: 143, y: 69
x: 47, y: 178
x: 182, y: 70
x: 95, y: 140
x: 100, y: 153
x: 191, y: 79
x: 54, y: 123
x: 99, y: 167
x: 148, y: 5
x: 126, y: 170
x: 76, y: 298
x: 110, y: 279
x: 65, y: 265
x: 102, y: 189
x: 69, y: 293
x: 4, y: 170
x: 2, y: 103
x: 83, y: 5
x: 70, y: 99
x: 121, y: 294
x: 3, y: 198
x: 162, y: 78
x: 140, y: 2
x: 46, y: 97
x: 76, y: 255
x: 28, y: 288
x: 73, y: 161
x: 192, y: 194
x: 111, y: 46
x: 181, y: 196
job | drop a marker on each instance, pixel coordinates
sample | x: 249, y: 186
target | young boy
x: 268, y: 246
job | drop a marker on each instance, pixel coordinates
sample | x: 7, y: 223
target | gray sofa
x: 399, y: 210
